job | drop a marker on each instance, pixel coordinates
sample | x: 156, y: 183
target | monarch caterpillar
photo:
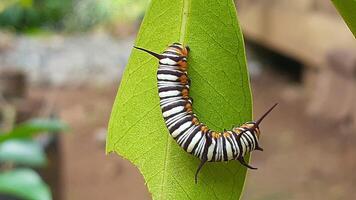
x: 184, y: 126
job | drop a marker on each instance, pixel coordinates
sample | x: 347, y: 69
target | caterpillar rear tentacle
x: 184, y: 126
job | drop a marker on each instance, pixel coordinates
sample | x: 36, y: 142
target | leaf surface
x: 219, y: 86
x: 347, y: 9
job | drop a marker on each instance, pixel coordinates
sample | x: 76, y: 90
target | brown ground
x: 303, y: 158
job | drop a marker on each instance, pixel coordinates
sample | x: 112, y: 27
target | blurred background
x: 60, y: 66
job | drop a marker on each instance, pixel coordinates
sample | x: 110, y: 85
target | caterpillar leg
x: 243, y: 162
x: 199, y: 168
x: 259, y: 148
x: 188, y: 48
x: 205, y: 156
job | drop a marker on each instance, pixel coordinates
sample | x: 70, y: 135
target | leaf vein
x: 133, y: 125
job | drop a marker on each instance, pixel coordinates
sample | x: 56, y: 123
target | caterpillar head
x: 179, y: 49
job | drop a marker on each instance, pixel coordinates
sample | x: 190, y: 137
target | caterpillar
x: 184, y: 126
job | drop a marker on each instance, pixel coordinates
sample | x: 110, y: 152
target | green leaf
x: 219, y: 86
x: 23, y: 152
x: 25, y: 184
x: 347, y: 9
x: 33, y: 127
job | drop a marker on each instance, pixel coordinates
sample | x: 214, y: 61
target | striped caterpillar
x: 184, y: 126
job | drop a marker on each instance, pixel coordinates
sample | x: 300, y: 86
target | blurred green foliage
x: 33, y: 127
x: 19, y: 152
x: 24, y: 183
x: 127, y: 9
x: 67, y: 15
x: 22, y: 15
x: 23, y: 152
x: 88, y: 13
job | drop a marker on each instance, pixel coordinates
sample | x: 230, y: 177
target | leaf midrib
x: 183, y: 29
x: 184, y: 23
